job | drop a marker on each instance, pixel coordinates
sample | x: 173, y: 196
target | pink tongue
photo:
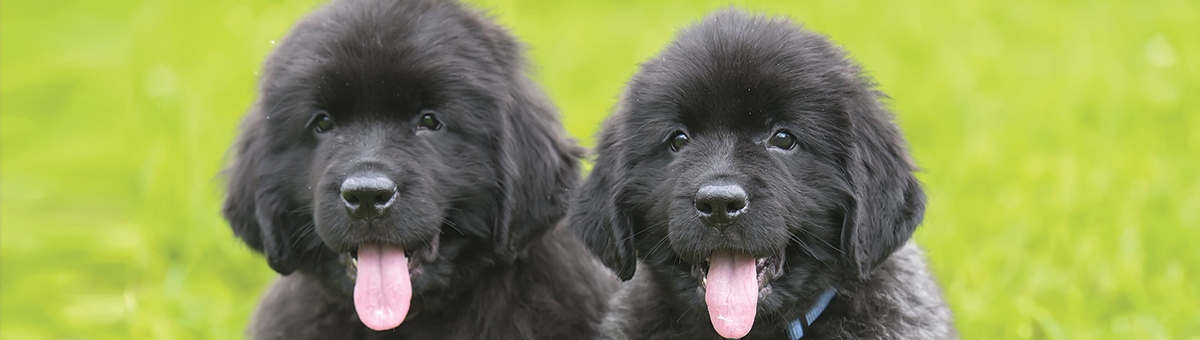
x: 731, y: 293
x: 382, y: 289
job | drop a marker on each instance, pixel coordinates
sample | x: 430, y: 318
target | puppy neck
x: 796, y: 328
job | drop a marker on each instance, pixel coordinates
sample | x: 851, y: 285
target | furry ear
x: 888, y: 202
x: 258, y: 212
x: 538, y: 167
x: 595, y: 215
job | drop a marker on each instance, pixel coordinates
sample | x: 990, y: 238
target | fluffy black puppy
x: 405, y: 176
x: 753, y: 172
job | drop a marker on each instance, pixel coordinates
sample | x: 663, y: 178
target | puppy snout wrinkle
x: 720, y: 205
x: 368, y: 195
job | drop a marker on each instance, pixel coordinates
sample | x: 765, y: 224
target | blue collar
x: 796, y: 328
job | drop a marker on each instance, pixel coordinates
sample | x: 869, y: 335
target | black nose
x: 368, y: 196
x: 720, y: 205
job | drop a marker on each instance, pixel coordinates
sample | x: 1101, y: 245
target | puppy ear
x: 538, y: 167
x: 256, y: 209
x: 888, y: 202
x: 595, y: 215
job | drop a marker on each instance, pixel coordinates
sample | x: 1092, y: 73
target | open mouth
x: 765, y: 269
x: 416, y: 259
x: 382, y: 277
x: 731, y: 283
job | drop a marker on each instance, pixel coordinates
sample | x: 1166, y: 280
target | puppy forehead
x: 427, y: 47
x: 710, y: 95
x: 727, y: 93
x: 388, y: 58
x: 750, y: 75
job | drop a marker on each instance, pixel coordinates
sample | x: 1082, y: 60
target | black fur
x: 840, y: 206
x: 479, y: 197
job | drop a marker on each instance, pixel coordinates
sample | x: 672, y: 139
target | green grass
x: 1060, y: 142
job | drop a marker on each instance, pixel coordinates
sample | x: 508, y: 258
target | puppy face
x: 396, y: 146
x: 392, y: 144
x: 750, y: 167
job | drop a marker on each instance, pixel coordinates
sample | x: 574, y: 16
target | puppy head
x: 752, y: 146
x: 403, y: 129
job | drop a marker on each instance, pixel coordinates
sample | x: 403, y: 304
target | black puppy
x: 753, y: 172
x: 404, y: 174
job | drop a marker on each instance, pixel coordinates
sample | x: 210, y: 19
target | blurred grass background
x: 1060, y: 142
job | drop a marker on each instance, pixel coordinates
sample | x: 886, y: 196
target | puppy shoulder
x: 634, y: 309
x: 901, y: 300
x: 297, y: 307
x: 907, y: 277
x: 567, y: 287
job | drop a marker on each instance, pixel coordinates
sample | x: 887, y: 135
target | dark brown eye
x: 429, y: 122
x: 321, y: 122
x: 783, y: 140
x: 679, y: 140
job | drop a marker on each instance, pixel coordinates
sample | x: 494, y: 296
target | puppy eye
x: 321, y: 122
x: 679, y: 140
x: 429, y: 122
x: 783, y: 140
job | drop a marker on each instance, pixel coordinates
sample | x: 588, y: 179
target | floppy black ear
x: 256, y: 204
x: 538, y: 167
x: 888, y: 201
x: 595, y: 214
